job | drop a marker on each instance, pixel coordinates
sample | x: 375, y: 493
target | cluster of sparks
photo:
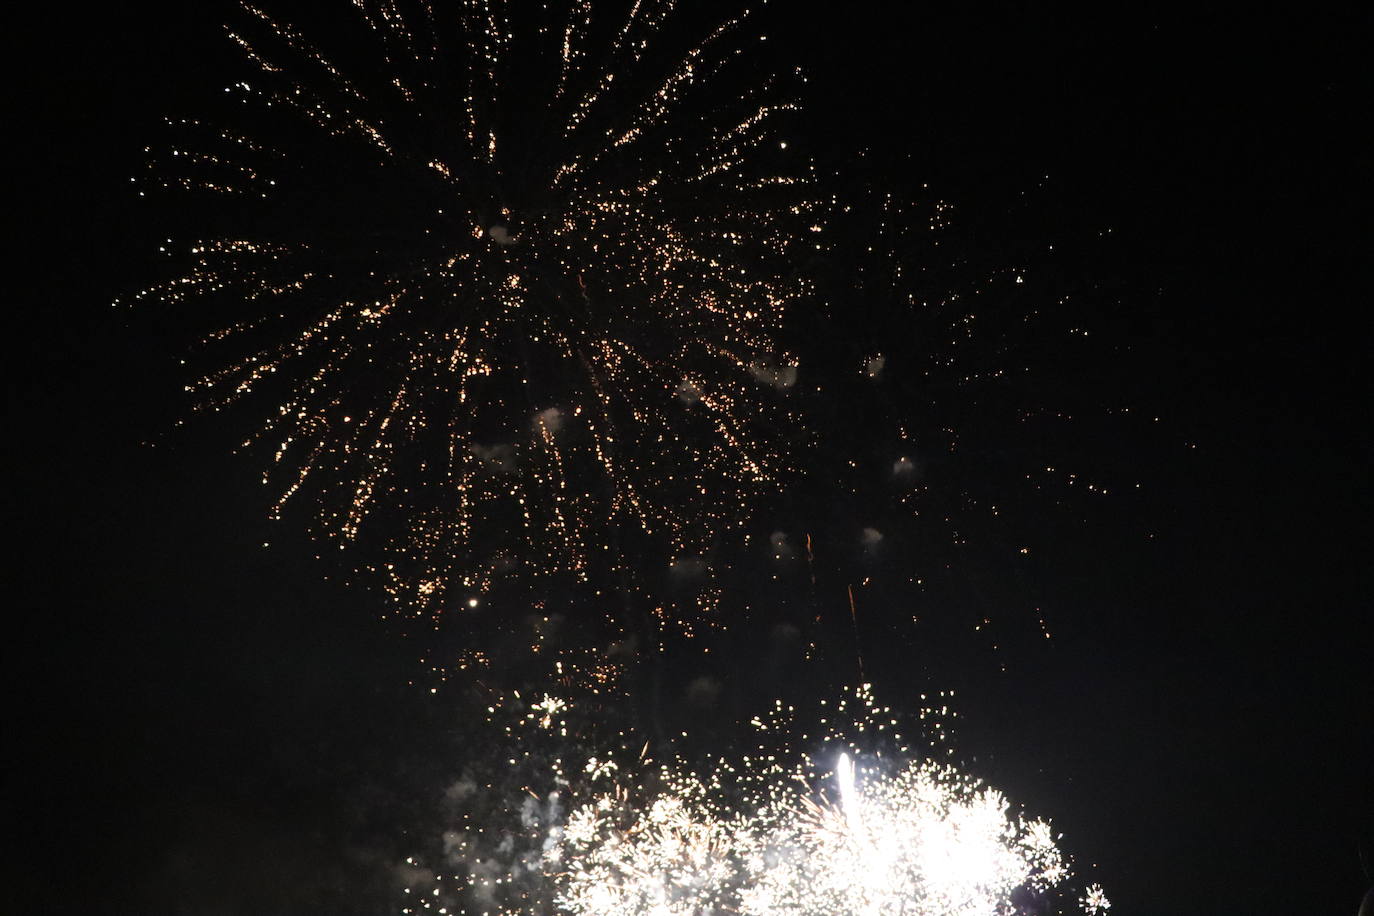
x: 540, y: 302
x: 772, y: 832
x: 509, y: 283
x: 923, y: 840
x: 516, y: 277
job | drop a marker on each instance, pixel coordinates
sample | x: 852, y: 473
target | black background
x: 204, y: 726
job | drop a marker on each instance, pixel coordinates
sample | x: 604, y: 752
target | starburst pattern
x: 861, y: 823
x: 926, y: 840
x: 506, y: 281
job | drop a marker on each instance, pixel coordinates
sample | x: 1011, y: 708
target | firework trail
x: 506, y: 287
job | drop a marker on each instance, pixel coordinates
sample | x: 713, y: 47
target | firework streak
x: 504, y: 280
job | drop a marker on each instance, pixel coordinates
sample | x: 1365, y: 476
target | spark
x: 776, y: 829
x: 503, y: 286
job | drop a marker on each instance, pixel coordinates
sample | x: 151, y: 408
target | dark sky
x: 208, y: 727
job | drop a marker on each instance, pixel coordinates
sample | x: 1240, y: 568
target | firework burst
x: 506, y: 286
x: 925, y: 840
x: 778, y: 829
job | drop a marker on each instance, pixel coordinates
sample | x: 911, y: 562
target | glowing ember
x: 470, y: 267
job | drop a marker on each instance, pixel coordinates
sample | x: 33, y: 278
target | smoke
x: 686, y: 569
x: 780, y: 377
x: 499, y: 459
x: 550, y: 419
x: 781, y: 546
x: 703, y: 691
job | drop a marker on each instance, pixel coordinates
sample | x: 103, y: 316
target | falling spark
x: 503, y: 286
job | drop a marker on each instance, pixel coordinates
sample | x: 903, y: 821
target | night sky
x: 202, y: 726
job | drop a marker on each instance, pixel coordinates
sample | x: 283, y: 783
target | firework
x: 775, y: 830
x: 530, y: 756
x: 505, y: 283
x: 923, y: 840
x: 926, y: 839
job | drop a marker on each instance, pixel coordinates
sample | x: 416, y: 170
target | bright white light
x: 924, y: 841
x: 844, y: 775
